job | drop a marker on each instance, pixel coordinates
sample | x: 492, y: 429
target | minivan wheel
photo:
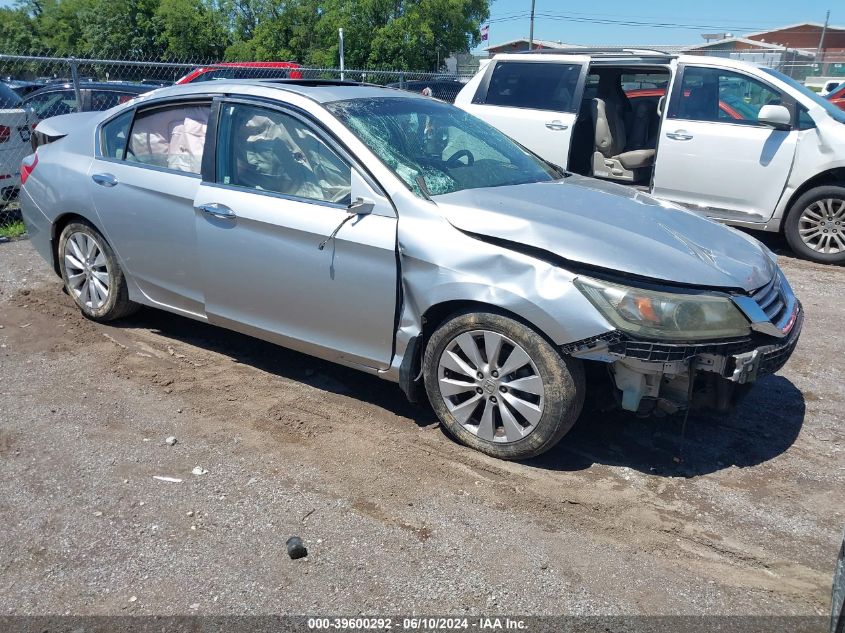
x: 500, y: 387
x: 815, y: 226
x: 92, y: 276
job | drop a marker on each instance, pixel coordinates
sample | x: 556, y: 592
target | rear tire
x: 815, y: 226
x: 93, y: 278
x: 500, y: 387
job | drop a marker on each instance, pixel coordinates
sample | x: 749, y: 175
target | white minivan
x: 740, y: 143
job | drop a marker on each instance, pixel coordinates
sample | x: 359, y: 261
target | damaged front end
x: 655, y: 374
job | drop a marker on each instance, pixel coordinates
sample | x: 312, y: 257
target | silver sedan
x: 402, y: 236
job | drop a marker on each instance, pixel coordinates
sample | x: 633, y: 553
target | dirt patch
x: 741, y: 513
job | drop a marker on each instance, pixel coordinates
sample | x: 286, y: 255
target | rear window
x: 535, y: 85
x: 8, y: 98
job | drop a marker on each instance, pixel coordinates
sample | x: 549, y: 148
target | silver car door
x: 282, y: 187
x: 144, y: 196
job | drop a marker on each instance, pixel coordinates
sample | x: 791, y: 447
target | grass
x: 15, y: 228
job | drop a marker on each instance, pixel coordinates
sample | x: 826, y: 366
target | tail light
x: 5, y: 133
x: 27, y: 167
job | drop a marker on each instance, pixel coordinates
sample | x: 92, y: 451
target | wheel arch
x: 435, y: 315
x: 58, y: 226
x: 834, y: 176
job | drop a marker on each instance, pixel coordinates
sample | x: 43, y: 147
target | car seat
x: 610, y: 158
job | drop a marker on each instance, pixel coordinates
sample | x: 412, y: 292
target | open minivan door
x: 533, y: 98
x: 726, y: 144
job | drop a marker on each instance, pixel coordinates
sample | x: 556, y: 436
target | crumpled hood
x: 613, y: 227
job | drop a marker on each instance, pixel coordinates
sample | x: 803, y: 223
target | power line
x: 581, y: 18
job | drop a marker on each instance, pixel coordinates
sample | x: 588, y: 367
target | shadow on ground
x: 762, y: 427
x: 765, y: 425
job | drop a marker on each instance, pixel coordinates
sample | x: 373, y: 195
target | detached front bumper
x: 667, y: 376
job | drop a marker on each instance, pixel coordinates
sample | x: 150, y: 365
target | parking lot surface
x: 739, y: 514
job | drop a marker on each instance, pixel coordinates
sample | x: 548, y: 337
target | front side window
x: 267, y: 150
x: 114, y: 134
x: 172, y: 137
x: 716, y: 95
x: 536, y: 85
x: 436, y: 148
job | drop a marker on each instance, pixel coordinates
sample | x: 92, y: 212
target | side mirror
x: 361, y: 206
x: 775, y: 115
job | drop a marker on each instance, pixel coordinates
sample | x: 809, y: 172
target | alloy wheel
x: 491, y: 386
x: 87, y: 270
x: 822, y: 225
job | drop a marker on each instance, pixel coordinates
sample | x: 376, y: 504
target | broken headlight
x: 665, y: 315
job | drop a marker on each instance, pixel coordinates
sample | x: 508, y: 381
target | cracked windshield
x: 438, y: 149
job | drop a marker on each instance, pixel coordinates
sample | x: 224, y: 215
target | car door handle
x: 104, y: 180
x: 679, y: 135
x: 217, y: 210
x: 556, y: 125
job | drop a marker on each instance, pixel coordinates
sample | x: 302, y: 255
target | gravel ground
x: 742, y: 515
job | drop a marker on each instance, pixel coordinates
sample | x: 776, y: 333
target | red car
x: 732, y: 111
x: 243, y: 70
x: 837, y: 97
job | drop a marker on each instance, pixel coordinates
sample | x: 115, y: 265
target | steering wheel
x: 455, y: 159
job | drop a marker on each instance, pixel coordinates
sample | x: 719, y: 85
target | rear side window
x: 535, y: 85
x: 170, y: 137
x: 106, y: 99
x: 114, y: 134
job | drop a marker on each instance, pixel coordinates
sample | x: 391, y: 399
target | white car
x: 743, y: 144
x: 14, y: 141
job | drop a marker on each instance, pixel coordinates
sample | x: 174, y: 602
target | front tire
x: 92, y: 275
x: 500, y: 387
x: 815, y: 226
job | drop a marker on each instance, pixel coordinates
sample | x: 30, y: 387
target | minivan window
x: 170, y: 137
x: 436, y: 148
x: 536, y: 85
x: 267, y: 150
x: 715, y: 94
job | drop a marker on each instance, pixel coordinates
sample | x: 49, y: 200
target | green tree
x: 17, y: 34
x: 119, y: 28
x: 193, y: 28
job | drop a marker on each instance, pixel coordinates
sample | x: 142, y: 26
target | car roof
x: 633, y: 56
x: 249, y: 65
x: 321, y: 91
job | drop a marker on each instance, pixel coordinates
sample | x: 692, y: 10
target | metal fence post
x: 401, y: 80
x: 74, y: 75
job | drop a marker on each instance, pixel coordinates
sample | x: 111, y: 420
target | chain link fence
x: 50, y: 86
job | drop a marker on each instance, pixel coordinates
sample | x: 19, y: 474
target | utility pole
x: 340, y: 37
x: 531, y: 30
x: 821, y: 42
